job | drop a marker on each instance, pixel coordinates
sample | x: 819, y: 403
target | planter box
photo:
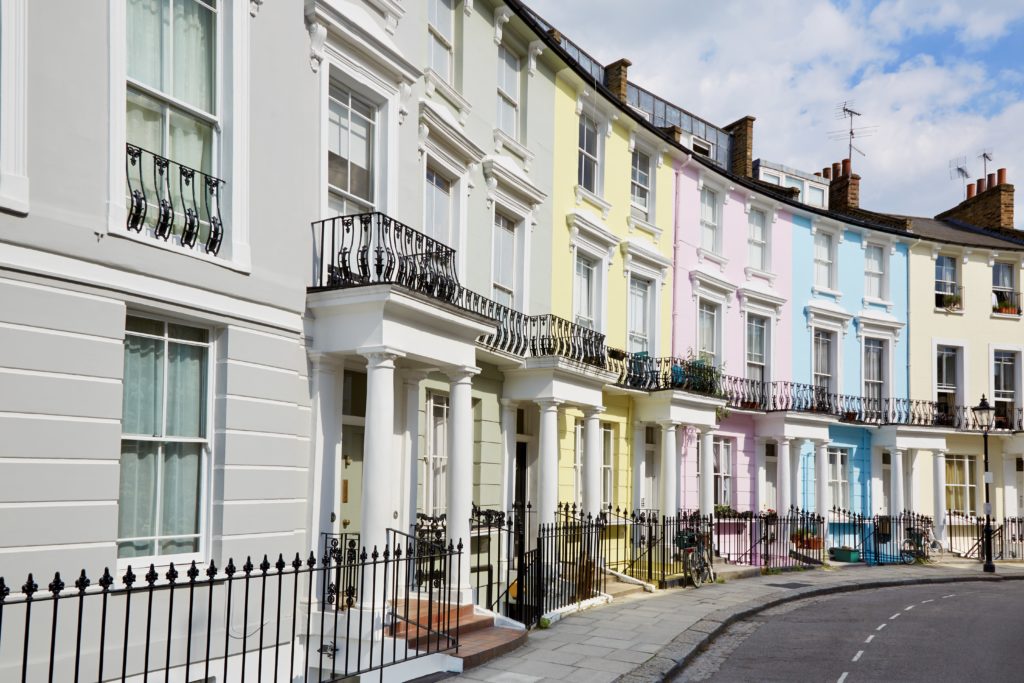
x: 845, y: 555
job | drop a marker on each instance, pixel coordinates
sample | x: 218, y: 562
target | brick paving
x: 644, y: 636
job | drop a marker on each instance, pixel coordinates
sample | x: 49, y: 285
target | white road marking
x: 894, y: 616
x: 925, y: 602
x: 880, y: 627
x: 871, y: 637
x: 951, y: 595
x: 857, y: 656
x: 907, y: 609
x: 843, y: 677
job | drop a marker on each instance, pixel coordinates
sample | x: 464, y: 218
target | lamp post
x: 984, y: 413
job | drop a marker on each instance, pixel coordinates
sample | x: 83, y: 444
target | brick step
x: 432, y: 614
x: 418, y: 634
x: 484, y: 645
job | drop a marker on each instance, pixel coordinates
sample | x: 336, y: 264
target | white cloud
x: 789, y: 63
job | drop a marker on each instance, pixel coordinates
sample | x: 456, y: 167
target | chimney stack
x: 615, y: 77
x: 989, y: 203
x: 827, y: 172
x: 844, y: 190
x: 741, y: 156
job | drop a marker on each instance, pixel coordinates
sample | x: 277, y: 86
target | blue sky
x: 940, y: 79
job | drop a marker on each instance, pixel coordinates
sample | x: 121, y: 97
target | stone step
x: 419, y: 635
x: 482, y: 646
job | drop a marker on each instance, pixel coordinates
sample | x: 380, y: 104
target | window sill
x: 583, y: 193
x: 705, y: 255
x: 14, y: 193
x: 437, y: 84
x: 950, y: 311
x: 504, y: 142
x: 750, y: 273
x: 197, y: 253
x: 161, y: 563
x: 870, y: 300
x: 827, y: 291
x: 635, y: 224
x: 1005, y: 316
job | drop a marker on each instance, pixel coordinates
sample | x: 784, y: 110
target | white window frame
x: 968, y: 466
x: 370, y: 204
x: 883, y: 382
x: 708, y: 226
x: 839, y: 477
x: 723, y: 470
x: 829, y: 262
x: 428, y: 228
x: 1011, y: 290
x: 433, y: 461
x: 640, y: 261
x: 833, y: 359
x: 765, y: 363
x: 715, y: 354
x: 764, y: 243
x: 232, y: 91
x: 510, y: 99
x: 835, y: 321
x: 588, y: 319
x: 882, y: 275
x: 644, y: 213
x: 958, y: 389
x: 646, y: 335
x: 607, y: 465
x: 595, y: 157
x: 1000, y: 396
x: 579, y: 444
x: 596, y: 242
x: 207, y: 453
x: 14, y: 181
x: 512, y: 289
x: 949, y: 287
x: 436, y: 36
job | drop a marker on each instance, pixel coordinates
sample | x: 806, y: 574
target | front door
x: 350, y: 484
x: 1020, y: 487
x: 519, y: 497
x: 649, y: 499
x: 771, y: 478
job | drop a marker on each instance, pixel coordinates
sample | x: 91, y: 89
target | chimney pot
x: 981, y: 185
x: 991, y: 181
x: 970, y: 190
x: 835, y: 170
x: 1001, y: 176
x: 827, y: 172
x: 616, y: 76
x: 846, y: 167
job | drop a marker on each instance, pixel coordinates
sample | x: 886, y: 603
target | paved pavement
x: 645, y: 636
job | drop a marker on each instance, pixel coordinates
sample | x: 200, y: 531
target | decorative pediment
x: 638, y: 257
x: 509, y: 186
x: 444, y: 137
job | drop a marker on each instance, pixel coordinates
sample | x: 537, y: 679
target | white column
x: 411, y: 467
x: 1010, y: 507
x: 760, y: 473
x: 783, y: 477
x: 799, y: 478
x: 460, y: 468
x: 908, y: 480
x: 939, y: 492
x: 326, y: 437
x: 593, y: 459
x: 822, y: 503
x: 547, y: 484
x: 509, y: 412
x: 378, y: 477
x: 707, y: 472
x: 896, y: 494
x: 639, y: 464
x: 669, y: 469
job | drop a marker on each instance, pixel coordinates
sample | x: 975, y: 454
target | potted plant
x: 806, y: 538
x: 845, y: 554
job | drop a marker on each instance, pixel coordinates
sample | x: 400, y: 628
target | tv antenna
x: 985, y: 156
x: 958, y: 169
x: 845, y: 110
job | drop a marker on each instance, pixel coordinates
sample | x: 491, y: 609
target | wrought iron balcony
x: 512, y: 334
x: 168, y: 199
x: 1006, y: 302
x: 681, y: 374
x: 551, y: 335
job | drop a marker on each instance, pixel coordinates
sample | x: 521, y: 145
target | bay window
x: 165, y: 439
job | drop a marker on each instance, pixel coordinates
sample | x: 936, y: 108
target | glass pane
x: 187, y: 333
x: 353, y: 400
x: 145, y: 126
x: 144, y: 325
x: 136, y: 502
x: 147, y: 22
x: 180, y: 494
x: 143, y: 386
x: 194, y: 54
x: 191, y: 142
x: 186, y: 390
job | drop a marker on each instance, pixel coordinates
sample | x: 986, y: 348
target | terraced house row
x: 316, y: 275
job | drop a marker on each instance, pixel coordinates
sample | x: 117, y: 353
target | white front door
x: 649, y: 498
x: 771, y: 479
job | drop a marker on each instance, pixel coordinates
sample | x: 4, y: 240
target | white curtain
x: 186, y: 389
x: 180, y: 494
x: 143, y: 386
x: 136, y: 506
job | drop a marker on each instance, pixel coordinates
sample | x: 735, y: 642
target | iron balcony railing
x: 693, y: 375
x: 167, y: 199
x: 1006, y: 302
x: 949, y: 296
x: 551, y: 335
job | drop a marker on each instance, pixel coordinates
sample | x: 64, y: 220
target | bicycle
x: 920, y: 544
x: 696, y: 549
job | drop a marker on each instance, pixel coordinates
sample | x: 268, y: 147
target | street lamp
x: 984, y: 414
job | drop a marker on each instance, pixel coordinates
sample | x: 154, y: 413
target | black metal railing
x: 883, y: 539
x: 647, y: 546
x: 171, y: 200
x: 949, y: 296
x: 551, y: 335
x: 1006, y: 302
x: 769, y: 539
x: 500, y: 561
x: 569, y: 566
x: 512, y: 333
x: 316, y: 618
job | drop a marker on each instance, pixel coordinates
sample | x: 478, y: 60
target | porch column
x: 547, y: 485
x: 326, y: 437
x: 939, y: 492
x: 760, y: 473
x: 460, y: 468
x: 411, y: 467
x: 822, y: 504
x: 669, y: 469
x: 509, y: 412
x: 707, y: 472
x: 784, y: 478
x: 593, y: 459
x: 896, y: 494
x: 379, y: 440
x: 1010, y: 506
x: 639, y: 464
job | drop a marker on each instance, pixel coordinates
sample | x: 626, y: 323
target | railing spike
x: 56, y: 586
x: 81, y: 583
x: 30, y: 586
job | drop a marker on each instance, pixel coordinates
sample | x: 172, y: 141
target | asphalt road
x: 970, y: 632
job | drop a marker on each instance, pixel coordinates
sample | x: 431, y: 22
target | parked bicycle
x: 696, y: 550
x: 920, y: 544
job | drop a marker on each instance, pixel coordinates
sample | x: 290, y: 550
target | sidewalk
x: 645, y: 635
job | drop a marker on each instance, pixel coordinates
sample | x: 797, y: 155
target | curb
x: 684, y: 648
